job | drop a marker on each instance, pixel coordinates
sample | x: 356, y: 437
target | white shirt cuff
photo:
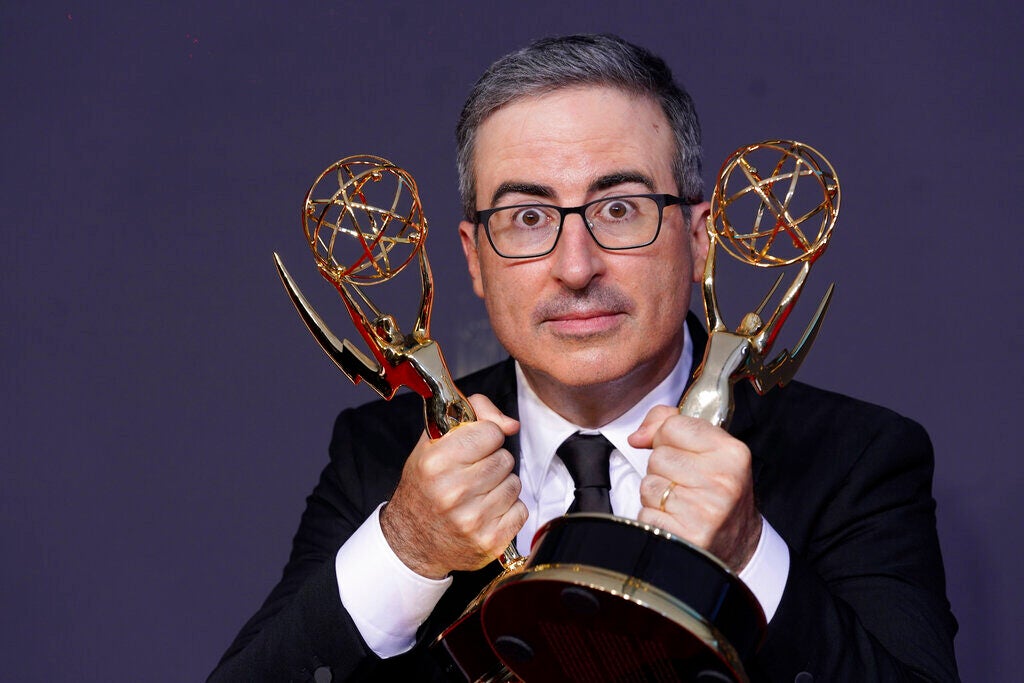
x: 768, y: 569
x: 386, y: 600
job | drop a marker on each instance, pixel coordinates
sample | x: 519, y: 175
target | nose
x: 577, y: 258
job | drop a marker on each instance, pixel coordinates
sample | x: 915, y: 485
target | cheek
x: 508, y: 312
x: 667, y: 294
x: 505, y: 294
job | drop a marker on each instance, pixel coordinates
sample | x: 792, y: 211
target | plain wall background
x: 166, y: 412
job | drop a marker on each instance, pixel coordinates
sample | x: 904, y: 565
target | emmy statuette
x: 364, y: 224
x: 654, y: 607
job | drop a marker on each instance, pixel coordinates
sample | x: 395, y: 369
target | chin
x: 588, y: 369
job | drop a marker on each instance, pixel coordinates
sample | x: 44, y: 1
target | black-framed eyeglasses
x: 531, y: 230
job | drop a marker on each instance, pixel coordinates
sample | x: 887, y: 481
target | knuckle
x: 657, y: 462
x: 508, y: 459
x: 515, y: 486
x: 648, y: 486
x: 732, y: 487
x: 432, y: 464
x: 463, y: 521
x: 447, y: 502
x: 667, y: 462
x: 501, y: 462
x: 480, y: 437
x: 492, y: 542
x: 731, y: 484
x: 521, y: 514
x: 678, y: 426
x: 429, y: 470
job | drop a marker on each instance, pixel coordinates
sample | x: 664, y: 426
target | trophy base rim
x: 561, y: 622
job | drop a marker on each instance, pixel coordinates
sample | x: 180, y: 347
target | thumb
x: 643, y: 437
x: 486, y: 410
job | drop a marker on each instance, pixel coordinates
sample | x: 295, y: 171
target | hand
x: 457, y: 504
x: 711, y: 503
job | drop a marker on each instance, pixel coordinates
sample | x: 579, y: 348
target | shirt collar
x: 543, y: 430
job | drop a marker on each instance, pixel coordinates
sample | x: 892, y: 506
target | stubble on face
x: 577, y: 315
x: 594, y: 330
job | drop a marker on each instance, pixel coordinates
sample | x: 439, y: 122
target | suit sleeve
x: 865, y: 597
x: 303, y: 625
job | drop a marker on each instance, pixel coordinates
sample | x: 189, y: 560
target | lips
x: 584, y: 323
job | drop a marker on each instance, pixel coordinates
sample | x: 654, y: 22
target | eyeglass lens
x: 614, y: 222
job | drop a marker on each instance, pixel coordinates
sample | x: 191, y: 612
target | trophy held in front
x: 600, y: 598
x: 364, y: 223
x: 607, y: 599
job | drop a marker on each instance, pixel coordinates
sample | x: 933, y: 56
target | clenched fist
x: 706, y: 472
x: 457, y: 504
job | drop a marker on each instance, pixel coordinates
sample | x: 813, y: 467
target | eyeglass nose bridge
x: 661, y: 200
x: 581, y: 211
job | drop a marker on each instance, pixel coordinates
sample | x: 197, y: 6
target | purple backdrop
x: 167, y: 412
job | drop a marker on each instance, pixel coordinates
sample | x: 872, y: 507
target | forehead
x: 568, y: 138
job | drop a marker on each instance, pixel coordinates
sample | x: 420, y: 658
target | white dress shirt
x: 388, y: 601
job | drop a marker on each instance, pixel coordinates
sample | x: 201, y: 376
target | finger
x: 652, y: 487
x: 679, y: 498
x: 512, y: 522
x: 486, y: 410
x: 715, y: 478
x: 470, y: 443
x: 488, y: 473
x: 671, y: 524
x: 493, y: 518
x: 502, y: 531
x: 643, y: 437
x: 678, y: 465
x: 502, y: 497
x: 690, y: 434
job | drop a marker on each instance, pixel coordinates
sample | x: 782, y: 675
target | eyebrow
x: 605, y: 182
x: 611, y: 180
x: 513, y: 187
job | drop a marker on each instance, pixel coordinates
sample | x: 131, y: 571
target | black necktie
x: 586, y: 457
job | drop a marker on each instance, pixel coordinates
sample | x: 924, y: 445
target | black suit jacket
x: 845, y: 483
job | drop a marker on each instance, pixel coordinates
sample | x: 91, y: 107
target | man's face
x: 583, y: 316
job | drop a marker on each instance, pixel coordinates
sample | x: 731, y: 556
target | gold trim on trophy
x: 371, y: 208
x: 572, y: 611
x: 777, y: 238
x: 578, y: 613
x: 368, y: 209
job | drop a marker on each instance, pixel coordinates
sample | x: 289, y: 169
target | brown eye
x: 530, y: 218
x: 617, y: 210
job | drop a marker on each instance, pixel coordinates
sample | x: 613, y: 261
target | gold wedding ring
x: 665, y: 494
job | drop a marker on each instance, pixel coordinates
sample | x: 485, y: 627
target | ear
x: 699, y: 241
x: 468, y: 234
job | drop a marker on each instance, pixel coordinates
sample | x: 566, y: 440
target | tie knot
x: 586, y: 457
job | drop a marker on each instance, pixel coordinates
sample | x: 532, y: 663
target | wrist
x: 403, y: 542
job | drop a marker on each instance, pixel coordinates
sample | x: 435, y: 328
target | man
x: 821, y: 504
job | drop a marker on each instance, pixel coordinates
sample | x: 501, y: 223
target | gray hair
x: 550, y: 64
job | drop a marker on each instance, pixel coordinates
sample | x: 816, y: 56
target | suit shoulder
x: 815, y: 428
x: 835, y: 409
x: 381, y: 432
